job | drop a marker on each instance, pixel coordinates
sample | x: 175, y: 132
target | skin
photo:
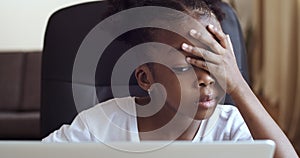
x: 219, y: 66
x: 200, y: 90
x: 260, y: 123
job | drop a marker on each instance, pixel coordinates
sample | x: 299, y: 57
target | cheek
x: 183, y: 90
x: 171, y: 84
x: 219, y: 91
x: 179, y: 88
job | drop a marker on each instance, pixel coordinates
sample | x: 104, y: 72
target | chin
x: 204, y: 114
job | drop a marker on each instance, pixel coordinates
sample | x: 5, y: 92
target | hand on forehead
x: 176, y: 39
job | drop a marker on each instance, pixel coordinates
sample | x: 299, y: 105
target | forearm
x: 221, y: 60
x: 260, y: 123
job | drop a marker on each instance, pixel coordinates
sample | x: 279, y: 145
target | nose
x: 205, y: 79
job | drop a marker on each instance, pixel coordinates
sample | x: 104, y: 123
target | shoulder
x: 229, y: 115
x: 101, y: 122
x: 227, y: 111
x: 105, y: 112
x: 110, y: 119
x: 225, y: 117
x: 116, y: 104
x: 230, y: 124
x: 108, y: 109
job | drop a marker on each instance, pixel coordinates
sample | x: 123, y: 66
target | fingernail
x: 211, y: 26
x: 188, y: 59
x: 185, y: 46
x: 193, y: 32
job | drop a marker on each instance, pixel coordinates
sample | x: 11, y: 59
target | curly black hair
x: 197, y: 9
x: 180, y: 5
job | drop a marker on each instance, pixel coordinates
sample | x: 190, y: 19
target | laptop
x: 148, y: 149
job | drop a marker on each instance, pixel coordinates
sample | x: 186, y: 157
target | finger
x: 202, y: 53
x: 219, y: 34
x: 198, y: 63
x: 230, y: 44
x: 205, y: 37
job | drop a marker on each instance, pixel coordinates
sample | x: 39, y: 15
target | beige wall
x: 23, y: 22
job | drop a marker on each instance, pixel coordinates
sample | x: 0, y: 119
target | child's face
x: 181, y: 80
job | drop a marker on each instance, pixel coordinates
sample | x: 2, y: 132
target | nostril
x: 202, y: 84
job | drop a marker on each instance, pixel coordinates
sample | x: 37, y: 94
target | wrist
x: 237, y: 86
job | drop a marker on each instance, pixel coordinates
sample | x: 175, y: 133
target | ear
x: 144, y: 77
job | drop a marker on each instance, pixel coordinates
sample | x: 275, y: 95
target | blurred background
x: 271, y: 30
x: 272, y: 33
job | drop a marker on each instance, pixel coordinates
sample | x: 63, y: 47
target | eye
x: 181, y: 69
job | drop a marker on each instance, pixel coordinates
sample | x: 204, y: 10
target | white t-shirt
x: 113, y: 121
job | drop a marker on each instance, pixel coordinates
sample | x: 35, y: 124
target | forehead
x: 175, y: 39
x: 183, y: 26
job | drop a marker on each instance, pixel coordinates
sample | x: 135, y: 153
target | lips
x: 206, y: 102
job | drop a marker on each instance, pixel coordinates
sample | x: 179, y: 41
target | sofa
x: 20, y: 95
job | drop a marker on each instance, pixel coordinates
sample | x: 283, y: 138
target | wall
x: 23, y: 22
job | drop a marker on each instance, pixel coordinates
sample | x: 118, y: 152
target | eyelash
x: 182, y: 69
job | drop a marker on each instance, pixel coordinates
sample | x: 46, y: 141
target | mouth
x: 206, y: 103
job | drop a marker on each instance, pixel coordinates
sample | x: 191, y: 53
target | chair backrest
x: 65, y: 32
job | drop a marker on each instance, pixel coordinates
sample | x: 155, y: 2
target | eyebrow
x: 171, y: 52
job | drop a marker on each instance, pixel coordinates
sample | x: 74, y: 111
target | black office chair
x: 65, y: 32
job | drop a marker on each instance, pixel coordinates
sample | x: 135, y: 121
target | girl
x: 185, y: 89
